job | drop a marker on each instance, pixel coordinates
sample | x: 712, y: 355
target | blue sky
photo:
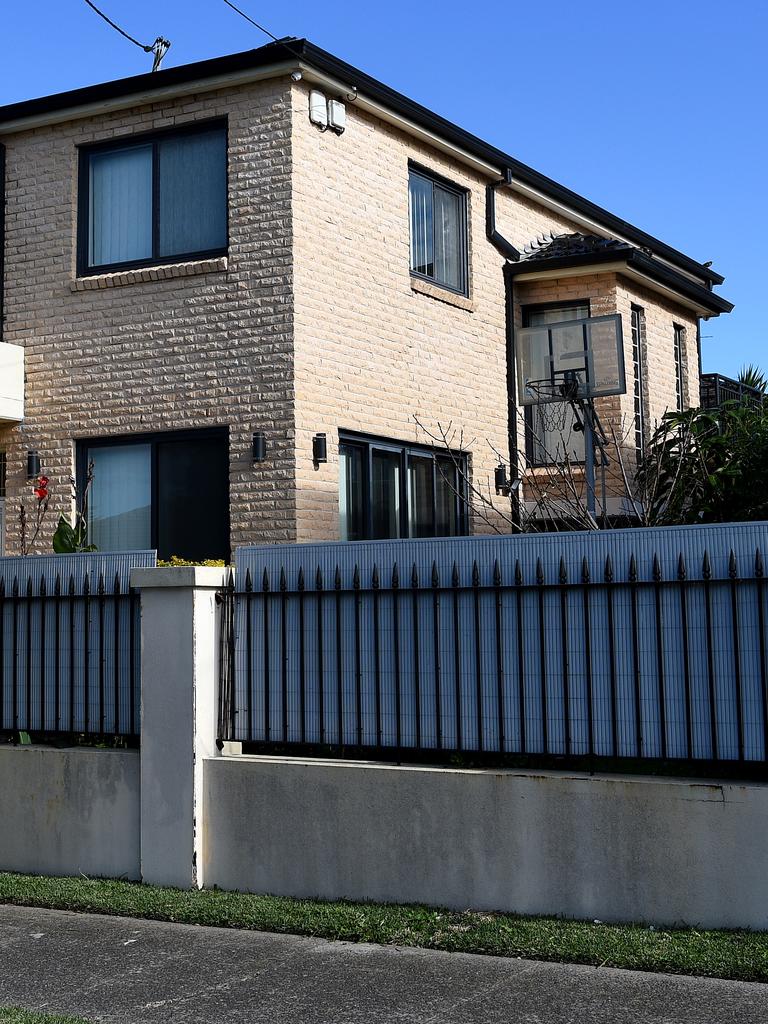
x: 654, y: 110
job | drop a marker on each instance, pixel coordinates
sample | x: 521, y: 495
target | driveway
x: 125, y: 971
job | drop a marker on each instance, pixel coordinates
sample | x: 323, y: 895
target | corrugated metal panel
x: 436, y: 655
x: 70, y: 663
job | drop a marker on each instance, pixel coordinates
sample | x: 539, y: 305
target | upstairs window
x: 551, y: 434
x: 679, y: 353
x: 153, y: 200
x: 438, y: 223
x: 388, y: 490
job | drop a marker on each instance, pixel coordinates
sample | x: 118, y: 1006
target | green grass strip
x: 15, y: 1015
x: 739, y: 955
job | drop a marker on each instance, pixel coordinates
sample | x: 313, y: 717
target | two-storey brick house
x: 238, y: 284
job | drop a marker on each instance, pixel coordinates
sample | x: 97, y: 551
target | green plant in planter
x: 72, y: 538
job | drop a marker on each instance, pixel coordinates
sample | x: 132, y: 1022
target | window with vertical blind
x: 679, y: 353
x: 438, y: 231
x: 389, y: 490
x: 153, y: 199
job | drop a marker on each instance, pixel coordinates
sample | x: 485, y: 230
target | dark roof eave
x: 639, y: 261
x: 325, y: 62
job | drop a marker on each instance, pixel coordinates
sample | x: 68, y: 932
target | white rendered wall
x: 608, y: 847
x: 69, y: 812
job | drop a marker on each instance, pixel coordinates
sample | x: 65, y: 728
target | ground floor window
x: 163, y: 491
x: 390, y: 490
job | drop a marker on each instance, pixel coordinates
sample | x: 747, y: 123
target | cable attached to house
x: 159, y: 48
x: 254, y: 23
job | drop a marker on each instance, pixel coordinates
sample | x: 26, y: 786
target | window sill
x: 434, y: 291
x: 146, y: 275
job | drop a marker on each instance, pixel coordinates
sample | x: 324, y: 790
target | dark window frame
x: 84, y: 269
x: 678, y: 349
x: 463, y: 193
x: 525, y: 313
x: 371, y: 442
x: 82, y: 444
x: 637, y: 331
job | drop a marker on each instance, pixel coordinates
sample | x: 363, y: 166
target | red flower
x: 41, y: 493
x: 43, y: 481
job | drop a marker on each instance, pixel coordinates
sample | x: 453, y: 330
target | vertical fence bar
x: 28, y: 654
x: 636, y: 656
x: 358, y: 659
x: 542, y: 657
x: 249, y: 652
x: 133, y: 667
x: 608, y: 578
x: 71, y: 650
x: 100, y: 592
x: 706, y: 572
x: 759, y: 580
x: 499, y: 654
x: 42, y: 591
x: 682, y: 574
x: 520, y: 654
x: 416, y: 652
x: 478, y: 656
x: 396, y: 639
x: 2, y: 652
x: 56, y: 652
x: 585, y: 592
x: 437, y: 653
x: 87, y: 651
x: 563, y: 580
x: 661, y: 695
x: 116, y: 604
x: 320, y: 663
x: 733, y: 575
x: 375, y: 586
x: 265, y: 640
x: 339, y: 667
x: 300, y: 586
x: 284, y: 653
x: 457, y: 655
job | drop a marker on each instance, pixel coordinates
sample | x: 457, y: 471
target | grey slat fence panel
x: 70, y: 643
x: 631, y: 643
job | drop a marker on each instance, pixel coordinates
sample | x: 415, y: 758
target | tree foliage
x: 708, y: 466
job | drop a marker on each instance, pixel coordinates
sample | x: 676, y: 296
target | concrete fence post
x: 179, y: 701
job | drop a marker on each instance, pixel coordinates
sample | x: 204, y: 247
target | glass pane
x: 193, y: 498
x: 556, y: 315
x: 421, y: 521
x: 385, y: 494
x: 120, y: 215
x: 448, y: 239
x: 422, y: 235
x: 351, y: 492
x: 553, y: 434
x: 446, y: 485
x: 193, y: 193
x: 120, y: 498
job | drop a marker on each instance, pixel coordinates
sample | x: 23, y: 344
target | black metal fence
x: 69, y: 654
x: 715, y: 389
x: 509, y: 656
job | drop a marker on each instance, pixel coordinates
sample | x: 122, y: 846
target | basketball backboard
x: 571, y: 359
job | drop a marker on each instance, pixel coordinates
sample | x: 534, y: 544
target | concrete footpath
x: 127, y: 971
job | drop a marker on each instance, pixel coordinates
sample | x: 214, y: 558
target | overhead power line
x: 159, y: 48
x: 254, y: 23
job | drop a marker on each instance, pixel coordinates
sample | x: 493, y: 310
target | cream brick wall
x: 196, y: 350
x: 373, y: 351
x: 311, y: 323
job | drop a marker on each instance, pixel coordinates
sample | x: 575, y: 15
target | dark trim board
x: 294, y: 50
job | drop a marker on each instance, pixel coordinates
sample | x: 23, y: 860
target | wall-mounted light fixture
x: 259, y: 446
x: 33, y: 465
x: 500, y: 479
x: 319, y: 449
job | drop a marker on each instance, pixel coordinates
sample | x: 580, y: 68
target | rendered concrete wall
x: 608, y: 847
x: 69, y: 812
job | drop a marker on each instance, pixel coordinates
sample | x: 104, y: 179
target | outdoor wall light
x: 319, y: 449
x: 259, y: 446
x: 500, y: 479
x: 33, y: 465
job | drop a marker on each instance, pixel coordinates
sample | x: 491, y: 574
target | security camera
x: 296, y: 76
